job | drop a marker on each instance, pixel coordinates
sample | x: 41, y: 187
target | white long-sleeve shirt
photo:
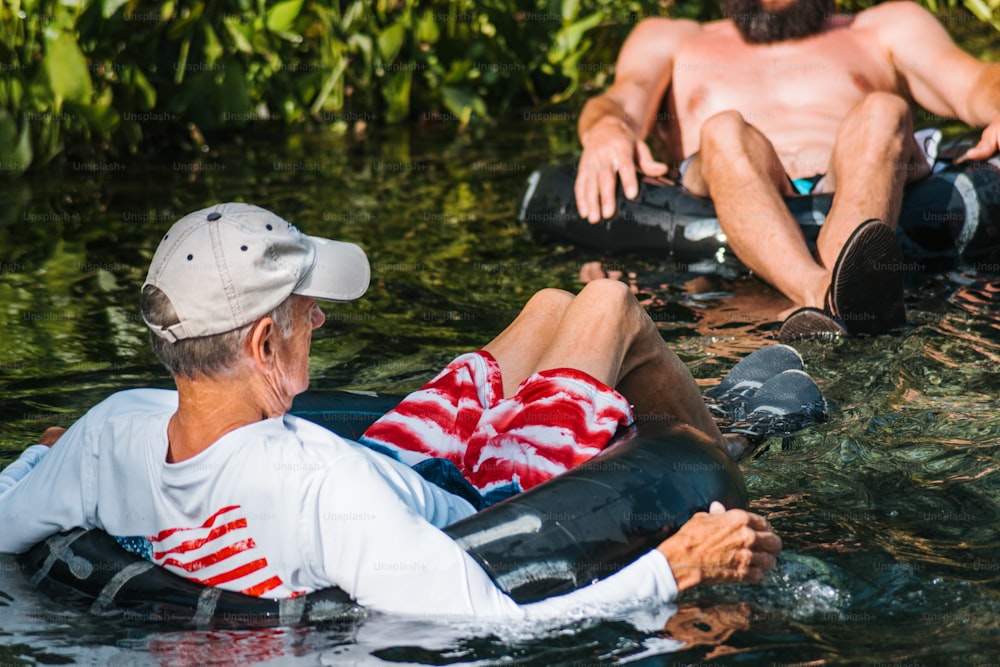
x: 276, y: 508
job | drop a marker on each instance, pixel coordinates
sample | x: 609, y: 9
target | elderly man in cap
x: 219, y: 484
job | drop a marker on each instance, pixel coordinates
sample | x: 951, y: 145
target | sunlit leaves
x: 281, y: 15
x: 66, y: 70
x: 15, y: 144
x: 225, y: 63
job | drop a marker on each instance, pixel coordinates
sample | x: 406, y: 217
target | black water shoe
x: 785, y: 404
x: 744, y: 379
x: 866, y: 286
x: 809, y: 323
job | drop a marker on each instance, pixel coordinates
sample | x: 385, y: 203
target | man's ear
x: 261, y: 344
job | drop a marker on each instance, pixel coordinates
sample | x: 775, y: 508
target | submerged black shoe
x: 730, y: 397
x: 785, y: 404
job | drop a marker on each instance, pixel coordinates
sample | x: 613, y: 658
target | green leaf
x: 396, y: 91
x: 146, y: 91
x: 362, y: 43
x: 213, y: 47
x: 983, y: 12
x: 109, y: 7
x: 355, y: 12
x: 12, y: 92
x: 99, y: 117
x: 281, y: 15
x: 233, y: 96
x: 328, y: 86
x: 237, y: 32
x: 14, y: 147
x: 980, y: 9
x: 459, y: 71
x: 570, y: 8
x: 390, y: 41
x: 568, y: 39
x: 181, y: 28
x: 463, y: 102
x: 182, y: 58
x: 66, y: 70
x: 427, y: 28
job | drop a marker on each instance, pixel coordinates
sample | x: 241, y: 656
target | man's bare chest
x: 827, y: 76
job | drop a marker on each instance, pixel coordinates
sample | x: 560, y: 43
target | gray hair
x: 206, y: 356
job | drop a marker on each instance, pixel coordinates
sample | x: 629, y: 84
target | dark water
x: 889, y: 513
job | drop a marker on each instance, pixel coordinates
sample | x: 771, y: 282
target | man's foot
x: 809, y: 323
x: 785, y: 404
x: 866, y: 286
x: 747, y: 376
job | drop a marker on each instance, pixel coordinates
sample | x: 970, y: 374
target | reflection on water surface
x: 889, y: 512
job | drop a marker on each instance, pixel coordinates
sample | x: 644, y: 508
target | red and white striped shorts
x: 555, y: 420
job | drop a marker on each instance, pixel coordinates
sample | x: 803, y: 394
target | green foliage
x: 89, y: 77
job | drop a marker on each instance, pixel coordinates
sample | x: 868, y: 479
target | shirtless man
x: 783, y: 90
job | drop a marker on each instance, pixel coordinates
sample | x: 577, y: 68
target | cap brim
x: 340, y: 272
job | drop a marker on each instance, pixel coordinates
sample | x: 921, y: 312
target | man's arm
x: 16, y: 471
x: 614, y: 125
x: 940, y: 76
x: 43, y: 491
x: 391, y: 559
x: 29, y: 458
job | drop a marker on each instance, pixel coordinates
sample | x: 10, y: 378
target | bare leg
x: 605, y: 333
x: 519, y: 347
x: 874, y: 157
x: 739, y: 169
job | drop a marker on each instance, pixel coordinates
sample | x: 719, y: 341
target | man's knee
x: 550, y: 301
x: 609, y: 303
x: 606, y: 290
x: 880, y: 114
x: 729, y: 143
x: 724, y: 131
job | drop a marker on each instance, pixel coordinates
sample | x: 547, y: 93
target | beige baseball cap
x: 226, y: 266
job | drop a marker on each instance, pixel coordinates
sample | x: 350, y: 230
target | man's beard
x: 803, y: 18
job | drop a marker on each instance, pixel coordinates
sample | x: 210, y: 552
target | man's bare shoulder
x: 658, y: 28
x: 893, y: 16
x: 652, y: 43
x: 911, y: 36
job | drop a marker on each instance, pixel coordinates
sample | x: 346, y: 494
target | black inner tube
x: 566, y: 533
x: 948, y: 220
